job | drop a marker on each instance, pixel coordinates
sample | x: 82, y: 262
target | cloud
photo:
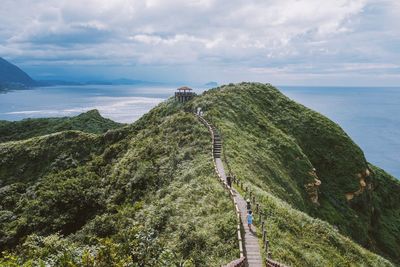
x: 219, y: 34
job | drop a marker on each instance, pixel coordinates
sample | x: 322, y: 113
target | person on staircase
x: 229, y: 181
x: 249, y: 219
x: 248, y: 204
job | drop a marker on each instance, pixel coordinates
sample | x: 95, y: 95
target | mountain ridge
x: 291, y: 140
x: 154, y: 180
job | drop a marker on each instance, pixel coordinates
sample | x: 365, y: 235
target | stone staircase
x: 249, y: 242
x: 217, y: 145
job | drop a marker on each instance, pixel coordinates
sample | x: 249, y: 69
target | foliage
x: 141, y: 195
x: 273, y: 144
x: 90, y: 122
x: 146, y: 194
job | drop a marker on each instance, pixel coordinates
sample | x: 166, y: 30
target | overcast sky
x: 303, y: 42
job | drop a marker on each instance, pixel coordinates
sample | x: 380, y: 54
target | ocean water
x: 370, y: 116
x: 122, y: 103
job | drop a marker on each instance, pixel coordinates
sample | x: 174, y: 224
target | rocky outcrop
x: 363, y: 184
x: 312, y: 188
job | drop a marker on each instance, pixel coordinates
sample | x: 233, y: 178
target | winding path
x: 250, y: 239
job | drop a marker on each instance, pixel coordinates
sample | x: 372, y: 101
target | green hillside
x: 90, y: 122
x: 146, y: 194
x: 274, y: 143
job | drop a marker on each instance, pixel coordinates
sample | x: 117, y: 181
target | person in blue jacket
x: 249, y: 219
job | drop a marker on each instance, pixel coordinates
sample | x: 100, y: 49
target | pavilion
x: 184, y: 94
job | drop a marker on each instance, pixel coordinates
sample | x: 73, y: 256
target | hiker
x: 249, y: 219
x: 248, y: 204
x: 229, y: 180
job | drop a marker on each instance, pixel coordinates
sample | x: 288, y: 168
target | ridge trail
x: 250, y: 239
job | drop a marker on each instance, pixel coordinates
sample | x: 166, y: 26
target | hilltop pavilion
x: 184, y: 94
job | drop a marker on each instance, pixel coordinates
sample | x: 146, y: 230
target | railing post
x: 264, y: 235
x: 258, y: 208
x: 266, y: 246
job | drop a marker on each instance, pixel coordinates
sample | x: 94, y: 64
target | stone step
x: 253, y: 259
x: 253, y: 254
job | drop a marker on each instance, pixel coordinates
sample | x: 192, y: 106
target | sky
x: 284, y: 42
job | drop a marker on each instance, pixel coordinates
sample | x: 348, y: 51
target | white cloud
x: 247, y: 33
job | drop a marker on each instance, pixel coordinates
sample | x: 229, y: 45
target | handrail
x: 241, y: 261
x: 237, y: 263
x: 269, y: 262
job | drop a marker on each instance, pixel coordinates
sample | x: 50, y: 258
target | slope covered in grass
x: 90, y: 122
x: 142, y: 195
x: 274, y: 143
x: 146, y: 194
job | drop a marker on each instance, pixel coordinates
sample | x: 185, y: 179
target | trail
x: 250, y: 240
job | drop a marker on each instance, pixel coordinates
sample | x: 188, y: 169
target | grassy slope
x: 145, y: 194
x: 273, y: 143
x: 90, y: 122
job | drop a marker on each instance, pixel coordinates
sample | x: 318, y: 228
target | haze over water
x: 370, y: 116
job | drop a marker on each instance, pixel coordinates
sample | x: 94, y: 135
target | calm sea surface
x: 371, y: 116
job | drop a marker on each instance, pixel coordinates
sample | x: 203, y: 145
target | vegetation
x: 146, y: 194
x: 90, y: 122
x: 141, y: 195
x: 274, y: 143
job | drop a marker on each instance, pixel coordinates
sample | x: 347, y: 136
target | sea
x: 369, y: 115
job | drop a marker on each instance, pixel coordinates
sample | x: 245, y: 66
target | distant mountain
x: 129, y: 82
x: 211, y: 84
x: 12, y: 77
x: 97, y: 82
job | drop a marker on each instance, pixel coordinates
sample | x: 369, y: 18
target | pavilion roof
x: 185, y: 88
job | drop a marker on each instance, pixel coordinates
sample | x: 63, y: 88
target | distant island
x: 211, y: 84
